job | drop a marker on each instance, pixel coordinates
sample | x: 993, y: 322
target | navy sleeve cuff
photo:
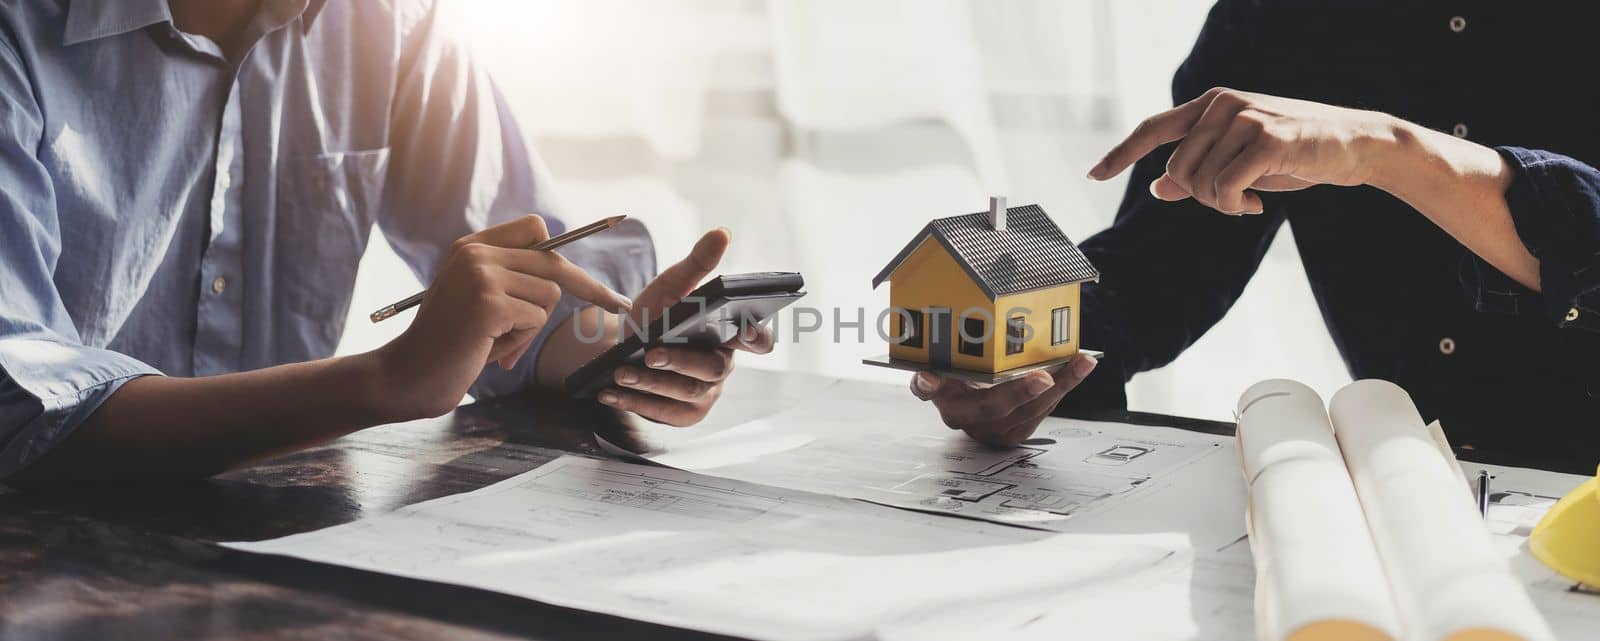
x: 1555, y: 206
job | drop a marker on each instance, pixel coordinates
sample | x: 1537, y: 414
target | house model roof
x: 1030, y: 253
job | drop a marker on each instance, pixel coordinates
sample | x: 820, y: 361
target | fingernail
x: 656, y: 359
x: 1253, y: 213
x: 1038, y: 383
x: 608, y: 398
x: 749, y: 334
x: 627, y: 376
x: 623, y: 304
x: 1152, y: 188
x: 926, y: 383
x: 1082, y: 365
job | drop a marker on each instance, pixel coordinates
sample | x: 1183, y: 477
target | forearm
x: 195, y: 427
x: 1461, y: 187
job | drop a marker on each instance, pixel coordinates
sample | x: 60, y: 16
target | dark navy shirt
x: 1504, y: 368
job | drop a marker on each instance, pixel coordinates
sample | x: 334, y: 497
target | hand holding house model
x: 986, y: 297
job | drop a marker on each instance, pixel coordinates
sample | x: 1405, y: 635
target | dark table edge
x: 1222, y: 428
x: 1219, y: 428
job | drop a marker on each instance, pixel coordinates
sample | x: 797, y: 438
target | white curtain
x: 823, y: 133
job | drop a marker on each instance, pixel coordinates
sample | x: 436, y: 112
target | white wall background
x: 823, y: 133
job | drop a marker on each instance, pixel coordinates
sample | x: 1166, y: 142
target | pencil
x: 1483, y: 493
x: 582, y: 232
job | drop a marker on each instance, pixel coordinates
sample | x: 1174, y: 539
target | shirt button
x: 1572, y: 314
x: 1458, y: 24
x: 1460, y: 130
x: 218, y: 285
x: 1447, y: 346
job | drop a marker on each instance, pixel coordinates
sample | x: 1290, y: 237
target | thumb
x: 677, y: 281
x: 1076, y: 370
x: 1281, y: 183
x: 1165, y: 188
x: 924, y: 385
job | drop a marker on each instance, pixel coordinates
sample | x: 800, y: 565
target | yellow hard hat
x: 1568, y: 537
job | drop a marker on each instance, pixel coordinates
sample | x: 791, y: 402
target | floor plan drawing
x: 847, y: 447
x: 767, y: 563
x: 681, y: 497
x: 1117, y: 455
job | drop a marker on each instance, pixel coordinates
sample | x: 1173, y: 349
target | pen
x: 1483, y: 493
x: 547, y: 245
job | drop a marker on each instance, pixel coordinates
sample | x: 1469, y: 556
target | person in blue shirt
x: 1436, y: 161
x: 186, y: 187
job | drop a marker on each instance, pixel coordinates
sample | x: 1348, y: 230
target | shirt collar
x: 94, y: 19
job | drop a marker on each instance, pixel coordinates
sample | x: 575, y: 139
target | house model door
x: 939, y: 337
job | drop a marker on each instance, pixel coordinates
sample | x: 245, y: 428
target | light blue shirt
x: 164, y: 210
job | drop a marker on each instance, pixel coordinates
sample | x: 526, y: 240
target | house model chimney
x: 997, y: 212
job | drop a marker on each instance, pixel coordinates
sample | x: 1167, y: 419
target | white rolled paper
x: 1449, y: 582
x: 1319, y: 577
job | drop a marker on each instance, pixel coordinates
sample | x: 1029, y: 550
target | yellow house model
x: 992, y: 294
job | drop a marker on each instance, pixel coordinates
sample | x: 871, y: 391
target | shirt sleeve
x: 1171, y: 270
x: 1555, y: 206
x: 459, y: 164
x: 50, y: 382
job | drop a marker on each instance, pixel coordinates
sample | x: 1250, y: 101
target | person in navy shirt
x: 1436, y: 161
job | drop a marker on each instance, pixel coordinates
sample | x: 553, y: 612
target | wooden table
x: 135, y: 561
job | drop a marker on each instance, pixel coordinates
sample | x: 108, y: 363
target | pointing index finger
x: 1155, y: 131
x: 583, y: 286
x: 570, y: 277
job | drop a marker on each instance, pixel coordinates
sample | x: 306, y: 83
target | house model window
x: 974, y: 333
x: 910, y: 329
x: 1061, y: 326
x: 970, y: 276
x: 1016, y: 334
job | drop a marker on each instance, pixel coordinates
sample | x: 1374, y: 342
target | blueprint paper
x: 1074, y: 476
x: 1446, y: 576
x: 691, y: 551
x: 1317, y: 570
x: 1189, y: 596
x: 1519, y: 497
x: 1207, y: 596
x: 1198, y: 598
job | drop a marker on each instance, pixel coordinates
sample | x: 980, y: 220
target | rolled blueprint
x: 1318, y: 575
x: 1449, y: 583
